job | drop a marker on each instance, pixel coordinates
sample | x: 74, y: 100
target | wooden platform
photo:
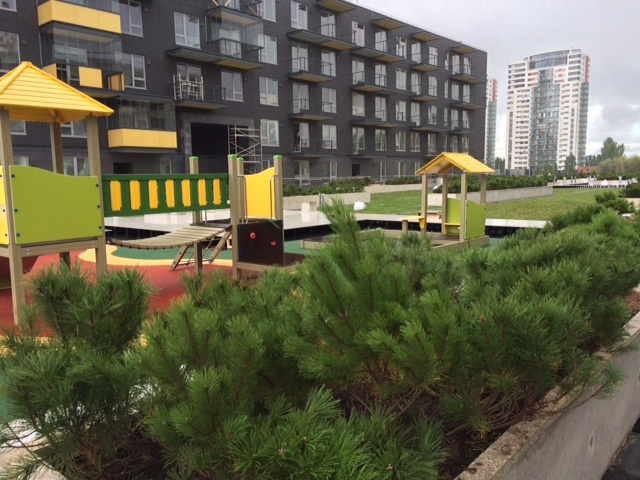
x: 176, y: 239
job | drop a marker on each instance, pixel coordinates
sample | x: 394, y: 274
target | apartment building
x: 337, y: 89
x: 547, y: 108
x: 491, y: 116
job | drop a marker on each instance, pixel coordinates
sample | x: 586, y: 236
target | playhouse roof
x: 446, y: 161
x: 33, y: 95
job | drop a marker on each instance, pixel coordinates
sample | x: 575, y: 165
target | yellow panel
x: 116, y: 82
x: 153, y: 194
x: 202, y: 192
x: 186, y: 193
x: 4, y: 240
x: 260, y: 198
x: 171, y: 194
x: 55, y: 11
x: 51, y: 69
x: 90, y: 77
x: 124, y: 137
x: 134, y: 190
x: 217, y: 193
x: 115, y: 188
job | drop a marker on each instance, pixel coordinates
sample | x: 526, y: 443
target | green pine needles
x: 374, y: 359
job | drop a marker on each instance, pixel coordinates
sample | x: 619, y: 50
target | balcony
x: 424, y: 93
x: 383, y: 51
x: 380, y: 119
x: 306, y: 148
x: 92, y: 81
x: 426, y: 124
x: 461, y: 126
x: 196, y: 94
x: 223, y: 52
x: 466, y: 74
x: 237, y: 12
x: 470, y: 102
x: 92, y: 14
x: 312, y: 111
x: 371, y: 82
x: 328, y: 36
x: 424, y: 36
x: 387, y: 23
x: 337, y: 6
x: 306, y: 70
x: 419, y: 64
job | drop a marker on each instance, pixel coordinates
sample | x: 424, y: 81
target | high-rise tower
x: 490, y: 121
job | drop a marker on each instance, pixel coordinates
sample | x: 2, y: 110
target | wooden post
x: 235, y: 210
x: 445, y: 194
x: 483, y: 189
x: 93, y: 147
x: 196, y: 217
x: 424, y: 201
x: 277, y: 189
x: 57, y: 161
x: 14, y: 250
x: 463, y: 206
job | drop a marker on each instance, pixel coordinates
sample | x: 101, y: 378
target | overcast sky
x: 509, y: 30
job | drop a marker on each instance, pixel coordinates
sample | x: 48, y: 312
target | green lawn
x: 562, y: 200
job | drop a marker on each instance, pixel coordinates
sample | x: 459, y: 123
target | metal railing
x: 196, y: 90
x: 304, y: 64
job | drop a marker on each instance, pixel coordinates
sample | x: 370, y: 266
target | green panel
x: 453, y: 210
x: 49, y: 207
x: 476, y: 215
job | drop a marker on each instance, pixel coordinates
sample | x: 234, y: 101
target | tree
x: 499, y: 164
x: 570, y: 165
x: 611, y: 149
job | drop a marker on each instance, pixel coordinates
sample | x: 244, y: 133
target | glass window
x: 75, y: 166
x: 415, y: 113
x: 165, y: 165
x: 381, y: 74
x: 300, y: 97
x: 401, y: 46
x: 268, y: 91
x: 357, y: 104
x: 303, y: 138
x: 357, y: 70
x: 329, y: 136
x: 131, y: 17
x: 142, y: 114
x: 187, y: 30
x: 299, y: 57
x: 432, y: 115
x: 134, y: 70
x: 329, y: 100
x: 21, y: 160
x: 380, y: 140
x: 445, y: 116
x: 267, y: 10
x: 380, y: 39
x: 8, y: 5
x: 416, y: 52
x: 401, y: 79
x: 357, y: 134
x: 232, y: 83
x: 333, y: 169
x: 9, y: 51
x: 270, y: 133
x: 380, y: 111
x: 433, y: 86
x: 298, y: 15
x: 401, y: 141
x: 414, y: 141
x: 455, y: 91
x: 402, y: 169
x: 416, y: 83
x: 416, y: 167
x: 382, y: 170
x: 18, y: 127
x: 269, y: 52
x: 302, y: 171
x: 433, y: 56
x: 327, y: 24
x: 328, y: 58
x: 188, y: 72
x: 446, y: 89
x: 73, y: 129
x: 401, y: 110
x: 358, y: 33
x: 432, y: 146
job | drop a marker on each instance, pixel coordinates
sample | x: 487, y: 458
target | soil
x: 633, y: 302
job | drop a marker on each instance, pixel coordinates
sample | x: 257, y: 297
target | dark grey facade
x: 336, y: 89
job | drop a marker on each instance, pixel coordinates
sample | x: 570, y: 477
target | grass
x: 562, y: 201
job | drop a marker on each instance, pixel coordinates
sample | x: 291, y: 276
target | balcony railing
x: 472, y: 102
x: 196, y: 90
x: 235, y: 49
x: 304, y: 64
x: 103, y: 5
x: 460, y: 125
x: 380, y: 115
x: 369, y: 78
x: 310, y: 109
x: 465, y: 73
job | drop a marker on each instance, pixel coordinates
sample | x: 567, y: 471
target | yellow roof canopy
x: 444, y: 162
x: 31, y: 94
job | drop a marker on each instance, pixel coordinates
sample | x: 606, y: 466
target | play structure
x: 43, y: 212
x: 463, y: 221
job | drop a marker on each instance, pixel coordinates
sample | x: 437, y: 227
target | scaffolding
x: 247, y: 143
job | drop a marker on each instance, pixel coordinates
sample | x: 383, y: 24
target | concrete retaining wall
x: 393, y: 188
x: 496, y: 196
x: 311, y: 202
x: 578, y: 443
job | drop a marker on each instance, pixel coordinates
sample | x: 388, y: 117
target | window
x: 416, y: 83
x: 357, y: 70
x: 382, y: 170
x: 267, y: 10
x: 9, y: 51
x: 299, y: 57
x: 18, y: 127
x: 303, y: 138
x: 433, y: 86
x: 402, y: 169
x: 191, y: 73
x: 432, y: 115
x: 414, y: 141
x: 401, y: 110
x: 380, y: 111
x: 381, y: 74
x: 433, y: 56
x: 446, y: 61
x: 401, y: 141
x: 134, y: 73
x: 445, y: 116
x: 165, y: 165
x: 380, y: 140
x: 269, y: 52
x: 302, y: 171
x: 270, y: 133
x: 329, y: 136
x: 455, y: 64
x: 464, y: 144
x: 357, y: 134
x: 298, y: 15
x: 8, y: 5
x: 401, y: 79
x: 75, y: 166
x: 333, y: 169
x: 416, y: 167
x: 446, y: 89
x: 455, y: 120
x: 416, y: 52
x: 415, y: 113
x: 380, y: 39
x: 232, y: 85
x: 21, y: 160
x: 401, y: 46
x: 187, y: 30
x: 357, y: 104
x: 445, y: 143
x: 455, y: 91
x: 358, y: 33
x: 300, y: 97
x: 131, y: 17
x: 327, y: 24
x: 329, y: 100
x: 148, y: 115
x: 328, y: 63
x: 268, y: 91
x: 454, y: 143
x: 74, y: 129
x: 432, y: 146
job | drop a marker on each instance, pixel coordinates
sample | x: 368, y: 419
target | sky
x: 608, y: 31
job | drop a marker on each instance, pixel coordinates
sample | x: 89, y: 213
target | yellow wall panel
x: 116, y: 82
x: 51, y: 70
x: 124, y: 137
x: 4, y: 239
x: 90, y: 77
x: 54, y: 10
